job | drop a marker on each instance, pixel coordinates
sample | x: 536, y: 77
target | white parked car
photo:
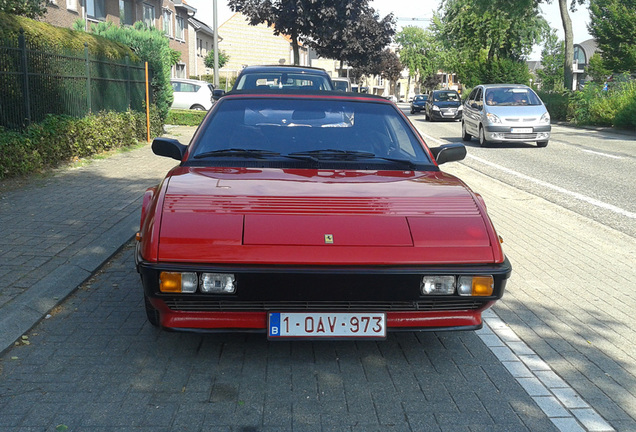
x: 505, y: 113
x: 192, y: 94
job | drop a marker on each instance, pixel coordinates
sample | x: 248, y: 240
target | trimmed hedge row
x: 60, y: 139
x: 185, y: 117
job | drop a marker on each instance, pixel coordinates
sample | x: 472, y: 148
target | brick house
x: 204, y: 44
x: 171, y: 16
x: 249, y: 45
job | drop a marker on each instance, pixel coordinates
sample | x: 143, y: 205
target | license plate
x: 308, y: 325
x: 521, y: 130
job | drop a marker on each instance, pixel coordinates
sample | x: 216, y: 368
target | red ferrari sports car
x: 314, y: 215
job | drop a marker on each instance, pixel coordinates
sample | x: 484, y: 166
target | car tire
x: 151, y: 313
x: 542, y: 143
x: 197, y: 107
x: 465, y: 135
x: 412, y: 111
x: 482, y: 137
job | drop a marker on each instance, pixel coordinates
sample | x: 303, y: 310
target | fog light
x: 217, y: 283
x: 175, y: 282
x: 475, y: 285
x: 438, y: 285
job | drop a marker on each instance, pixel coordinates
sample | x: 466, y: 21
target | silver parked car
x: 505, y: 112
x: 192, y: 94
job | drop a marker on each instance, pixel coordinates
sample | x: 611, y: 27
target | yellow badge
x: 329, y: 238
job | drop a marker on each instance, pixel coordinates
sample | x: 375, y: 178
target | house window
x: 149, y: 15
x: 126, y: 12
x: 200, y: 47
x: 180, y: 28
x: 167, y: 22
x: 579, y: 55
x: 179, y: 70
x: 95, y: 9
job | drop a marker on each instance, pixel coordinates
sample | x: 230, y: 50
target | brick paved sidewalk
x: 55, y: 232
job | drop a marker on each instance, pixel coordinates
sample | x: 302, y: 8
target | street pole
x: 216, y: 44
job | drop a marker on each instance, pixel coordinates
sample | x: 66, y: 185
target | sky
x: 410, y: 12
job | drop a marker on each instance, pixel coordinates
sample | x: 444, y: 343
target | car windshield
x: 283, y: 81
x: 331, y: 133
x: 449, y: 96
x: 420, y: 98
x: 511, y: 96
x: 341, y: 85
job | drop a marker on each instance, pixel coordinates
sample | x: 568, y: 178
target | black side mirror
x: 217, y: 93
x: 168, y: 147
x: 449, y: 153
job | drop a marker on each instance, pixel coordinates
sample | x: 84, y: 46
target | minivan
x: 505, y: 113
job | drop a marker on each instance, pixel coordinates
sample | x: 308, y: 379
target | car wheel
x: 465, y: 135
x: 482, y: 137
x: 542, y: 143
x: 412, y: 111
x: 151, y: 313
x: 197, y: 107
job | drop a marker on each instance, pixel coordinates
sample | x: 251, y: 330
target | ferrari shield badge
x: 328, y: 238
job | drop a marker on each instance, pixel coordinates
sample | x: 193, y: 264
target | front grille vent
x: 437, y: 304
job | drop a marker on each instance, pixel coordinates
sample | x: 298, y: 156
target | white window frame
x: 168, y: 26
x: 179, y: 28
x: 149, y: 8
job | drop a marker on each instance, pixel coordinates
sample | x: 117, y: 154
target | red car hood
x: 305, y: 217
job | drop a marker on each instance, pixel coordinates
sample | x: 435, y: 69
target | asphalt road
x: 588, y: 171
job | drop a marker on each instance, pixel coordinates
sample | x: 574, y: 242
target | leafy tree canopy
x: 28, y: 8
x: 613, y: 25
x: 151, y: 45
x: 491, y: 28
x: 551, y: 74
x: 346, y: 30
x: 209, y: 59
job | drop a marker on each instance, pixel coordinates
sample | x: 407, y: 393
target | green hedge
x: 185, y: 117
x: 60, y: 139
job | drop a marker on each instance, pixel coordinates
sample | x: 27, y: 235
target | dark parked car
x: 443, y: 105
x: 315, y: 215
x: 283, y: 78
x: 418, y: 103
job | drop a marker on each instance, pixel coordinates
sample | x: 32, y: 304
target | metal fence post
x: 88, y: 78
x: 128, y: 81
x: 25, y: 74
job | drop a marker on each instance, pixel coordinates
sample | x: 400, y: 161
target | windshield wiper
x: 334, y: 154
x: 406, y: 162
x: 250, y: 153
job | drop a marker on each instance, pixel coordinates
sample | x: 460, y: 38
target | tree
x: 346, y: 29
x: 391, y: 68
x: 613, y: 25
x: 596, y: 69
x: 491, y: 28
x: 28, y: 8
x: 350, y: 31
x: 551, y: 74
x: 484, y: 40
x: 151, y: 45
x: 418, y: 52
x: 568, y: 51
x: 209, y: 59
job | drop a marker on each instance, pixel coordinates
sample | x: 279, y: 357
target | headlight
x: 493, y: 118
x: 460, y: 108
x: 435, y: 108
x: 475, y: 285
x: 545, y: 118
x: 217, y: 283
x: 174, y: 282
x: 435, y: 285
